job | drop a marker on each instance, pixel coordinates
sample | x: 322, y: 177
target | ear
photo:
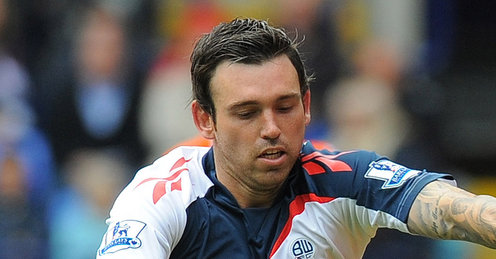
x: 306, y: 107
x: 203, y: 121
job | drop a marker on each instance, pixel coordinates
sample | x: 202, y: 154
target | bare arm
x: 447, y: 212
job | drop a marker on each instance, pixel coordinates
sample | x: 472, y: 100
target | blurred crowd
x: 92, y: 90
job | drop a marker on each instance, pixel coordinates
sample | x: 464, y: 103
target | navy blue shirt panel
x: 218, y: 228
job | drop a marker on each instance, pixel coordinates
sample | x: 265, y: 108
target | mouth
x: 272, y: 154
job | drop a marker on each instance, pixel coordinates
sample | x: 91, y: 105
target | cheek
x: 295, y: 132
x: 233, y: 149
x: 296, y: 124
x: 234, y: 131
x: 230, y: 137
x: 297, y: 135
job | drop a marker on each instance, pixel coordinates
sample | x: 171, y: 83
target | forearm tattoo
x: 447, y: 212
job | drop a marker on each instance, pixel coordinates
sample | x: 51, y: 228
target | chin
x: 277, y: 176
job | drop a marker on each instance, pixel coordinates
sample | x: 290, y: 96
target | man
x: 261, y: 191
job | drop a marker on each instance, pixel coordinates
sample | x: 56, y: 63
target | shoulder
x: 316, y: 161
x: 153, y: 206
x: 163, y: 190
x: 177, y: 174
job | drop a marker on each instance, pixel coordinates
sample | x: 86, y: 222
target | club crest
x: 302, y: 249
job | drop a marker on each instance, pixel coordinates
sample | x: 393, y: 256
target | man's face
x: 260, y: 122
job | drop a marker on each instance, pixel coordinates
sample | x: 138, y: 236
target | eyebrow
x: 253, y: 102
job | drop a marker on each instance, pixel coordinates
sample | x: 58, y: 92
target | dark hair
x: 247, y: 41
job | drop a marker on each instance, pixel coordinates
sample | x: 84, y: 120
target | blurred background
x: 90, y: 91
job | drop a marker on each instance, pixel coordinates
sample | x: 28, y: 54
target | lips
x: 271, y: 154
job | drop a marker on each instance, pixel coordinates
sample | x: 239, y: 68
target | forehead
x: 236, y: 82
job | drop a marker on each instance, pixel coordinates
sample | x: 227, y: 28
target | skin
x: 259, y: 127
x: 260, y: 110
x: 446, y: 212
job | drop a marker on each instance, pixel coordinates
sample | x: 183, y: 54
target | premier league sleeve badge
x: 123, y: 235
x: 393, y: 175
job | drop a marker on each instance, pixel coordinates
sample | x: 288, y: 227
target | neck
x: 246, y: 196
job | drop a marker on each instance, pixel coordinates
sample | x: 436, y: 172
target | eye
x: 285, y: 108
x: 244, y: 115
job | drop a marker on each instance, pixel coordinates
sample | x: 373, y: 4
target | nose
x: 270, y: 128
